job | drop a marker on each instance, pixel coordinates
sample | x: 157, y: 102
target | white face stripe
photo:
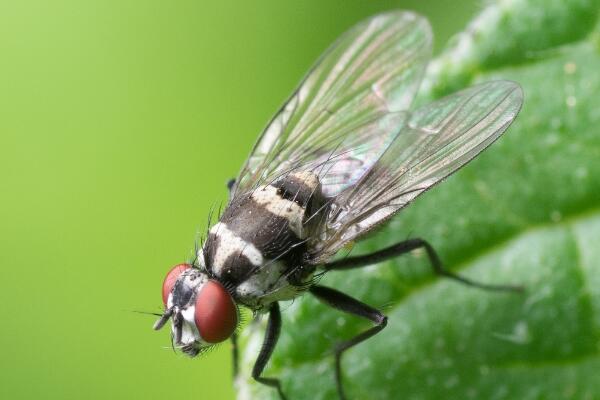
x: 189, y: 330
x: 267, y: 197
x: 229, y: 243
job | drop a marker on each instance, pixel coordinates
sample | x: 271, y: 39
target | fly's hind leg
x: 345, y: 303
x: 405, y: 247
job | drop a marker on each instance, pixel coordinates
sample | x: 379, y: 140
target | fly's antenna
x: 178, y: 324
x: 163, y: 319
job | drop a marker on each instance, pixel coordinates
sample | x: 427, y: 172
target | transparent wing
x: 345, y: 113
x: 437, y: 140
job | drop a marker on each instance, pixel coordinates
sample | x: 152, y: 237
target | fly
x: 343, y: 155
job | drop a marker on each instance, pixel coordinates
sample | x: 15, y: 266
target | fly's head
x: 202, y: 311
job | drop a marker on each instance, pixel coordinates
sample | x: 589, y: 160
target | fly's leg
x: 235, y: 355
x: 271, y: 336
x: 345, y: 303
x: 405, y: 247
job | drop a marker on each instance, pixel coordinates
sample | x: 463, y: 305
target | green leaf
x: 526, y: 211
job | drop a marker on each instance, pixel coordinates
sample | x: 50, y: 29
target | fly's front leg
x: 347, y: 304
x: 405, y: 247
x: 271, y: 336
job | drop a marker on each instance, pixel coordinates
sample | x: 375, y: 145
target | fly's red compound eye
x: 170, y: 280
x: 216, y: 313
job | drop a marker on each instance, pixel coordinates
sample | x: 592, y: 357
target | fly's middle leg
x: 405, y: 247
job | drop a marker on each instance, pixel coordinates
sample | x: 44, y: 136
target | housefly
x: 343, y: 155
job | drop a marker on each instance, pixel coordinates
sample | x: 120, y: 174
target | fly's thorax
x: 260, y: 242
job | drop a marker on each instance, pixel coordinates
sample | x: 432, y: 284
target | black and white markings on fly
x: 344, y: 154
x: 259, y: 245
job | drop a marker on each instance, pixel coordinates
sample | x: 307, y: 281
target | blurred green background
x: 120, y: 122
